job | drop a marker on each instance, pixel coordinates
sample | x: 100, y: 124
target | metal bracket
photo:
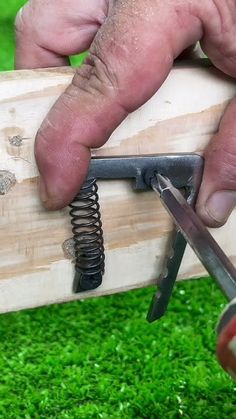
x: 184, y: 171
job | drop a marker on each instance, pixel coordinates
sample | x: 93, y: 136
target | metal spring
x: 88, y: 238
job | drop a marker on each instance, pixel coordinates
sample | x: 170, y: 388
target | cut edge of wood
x: 76, y: 297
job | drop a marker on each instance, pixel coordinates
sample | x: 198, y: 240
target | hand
x: 132, y: 45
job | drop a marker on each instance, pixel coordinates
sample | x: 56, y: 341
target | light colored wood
x: 35, y: 263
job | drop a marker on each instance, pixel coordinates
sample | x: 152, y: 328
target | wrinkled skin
x: 132, y: 45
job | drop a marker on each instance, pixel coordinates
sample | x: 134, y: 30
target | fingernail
x: 220, y: 205
x: 43, y: 192
x: 49, y: 202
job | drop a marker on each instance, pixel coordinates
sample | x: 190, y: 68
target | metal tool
x: 184, y: 170
x: 208, y: 251
x: 88, y: 238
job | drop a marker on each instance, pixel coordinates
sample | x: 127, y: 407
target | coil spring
x: 88, y: 238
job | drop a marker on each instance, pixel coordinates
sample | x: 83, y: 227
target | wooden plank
x: 35, y: 249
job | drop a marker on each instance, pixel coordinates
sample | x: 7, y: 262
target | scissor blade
x: 208, y: 251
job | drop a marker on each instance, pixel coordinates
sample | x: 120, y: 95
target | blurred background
x: 100, y: 358
x: 8, y: 11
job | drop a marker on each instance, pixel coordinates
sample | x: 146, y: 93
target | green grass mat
x: 100, y: 359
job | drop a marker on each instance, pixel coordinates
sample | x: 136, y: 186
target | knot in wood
x: 16, y: 140
x: 7, y: 181
x: 68, y: 248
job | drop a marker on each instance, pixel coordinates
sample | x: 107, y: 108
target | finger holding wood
x: 217, y: 196
x: 122, y: 71
x: 132, y: 47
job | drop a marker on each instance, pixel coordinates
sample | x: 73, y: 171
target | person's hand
x: 132, y: 45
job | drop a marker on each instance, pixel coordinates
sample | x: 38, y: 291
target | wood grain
x: 35, y: 251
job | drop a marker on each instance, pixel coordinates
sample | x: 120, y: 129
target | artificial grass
x: 100, y: 359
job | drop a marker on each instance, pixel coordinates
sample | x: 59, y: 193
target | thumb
x: 217, y: 195
x: 114, y: 81
x: 63, y: 142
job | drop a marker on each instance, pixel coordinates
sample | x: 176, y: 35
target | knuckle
x: 103, y: 68
x: 222, y: 164
x: 219, y: 38
x: 66, y: 105
x: 228, y: 167
x: 96, y: 76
